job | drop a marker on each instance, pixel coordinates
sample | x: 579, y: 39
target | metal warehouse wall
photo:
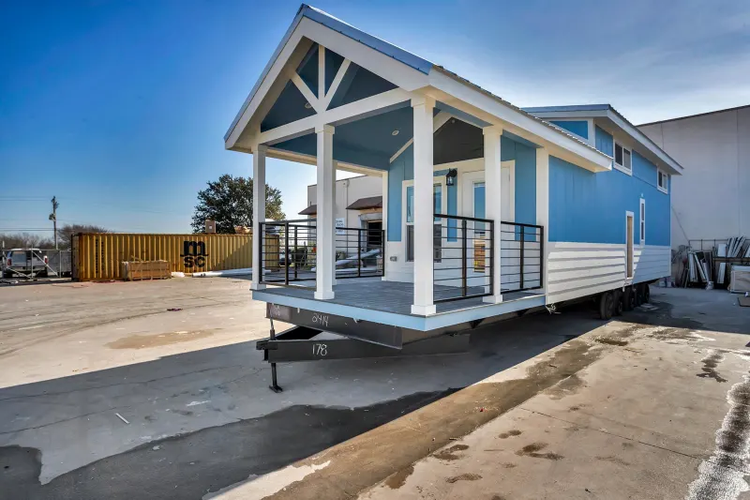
x: 97, y: 256
x: 711, y: 199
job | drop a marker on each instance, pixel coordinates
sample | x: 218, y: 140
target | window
x: 662, y: 181
x: 437, y: 199
x: 623, y: 159
x: 643, y: 222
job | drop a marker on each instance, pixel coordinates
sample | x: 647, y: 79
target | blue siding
x: 403, y: 169
x: 590, y: 208
x: 578, y: 127
x: 603, y: 142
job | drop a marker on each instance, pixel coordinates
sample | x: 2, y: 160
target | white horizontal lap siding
x: 579, y: 269
x: 651, y: 263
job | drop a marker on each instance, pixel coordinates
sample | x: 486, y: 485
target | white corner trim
x: 629, y: 214
x: 592, y: 132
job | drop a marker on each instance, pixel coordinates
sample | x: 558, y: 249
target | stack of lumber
x: 145, y: 270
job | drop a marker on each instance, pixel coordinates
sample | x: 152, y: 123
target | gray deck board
x: 375, y: 294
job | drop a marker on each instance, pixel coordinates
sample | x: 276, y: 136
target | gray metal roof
x: 569, y: 108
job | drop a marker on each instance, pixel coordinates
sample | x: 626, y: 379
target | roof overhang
x: 611, y: 120
x: 367, y: 203
x: 311, y: 210
x: 413, y: 76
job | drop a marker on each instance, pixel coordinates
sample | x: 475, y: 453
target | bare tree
x: 66, y: 232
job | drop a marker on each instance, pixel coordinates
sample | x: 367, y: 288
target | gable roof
x: 607, y: 111
x: 326, y: 19
x: 593, y: 157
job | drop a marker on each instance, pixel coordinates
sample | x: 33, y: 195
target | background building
x: 359, y: 202
x: 711, y: 200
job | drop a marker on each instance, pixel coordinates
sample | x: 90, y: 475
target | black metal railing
x: 463, y: 260
x: 288, y: 252
x: 359, y: 252
x: 521, y: 261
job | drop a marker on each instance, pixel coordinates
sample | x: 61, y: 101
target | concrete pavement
x: 193, y: 388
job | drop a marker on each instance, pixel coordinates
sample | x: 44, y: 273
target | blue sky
x: 119, y: 108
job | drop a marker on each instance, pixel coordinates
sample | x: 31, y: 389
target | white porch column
x: 335, y: 236
x: 423, y: 206
x: 259, y: 213
x: 493, y: 204
x: 542, y: 206
x: 325, y: 224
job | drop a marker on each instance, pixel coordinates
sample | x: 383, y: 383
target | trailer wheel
x: 606, y: 305
x: 638, y: 295
x: 619, y: 305
x: 628, y: 299
x: 646, y: 293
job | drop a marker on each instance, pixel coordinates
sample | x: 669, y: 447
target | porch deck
x: 389, y: 303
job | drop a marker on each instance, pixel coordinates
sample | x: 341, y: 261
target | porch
x: 389, y: 303
x: 465, y: 179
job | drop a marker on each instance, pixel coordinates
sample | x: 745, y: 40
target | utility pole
x: 53, y: 217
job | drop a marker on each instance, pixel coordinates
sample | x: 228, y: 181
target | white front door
x: 473, y: 205
x: 473, y: 194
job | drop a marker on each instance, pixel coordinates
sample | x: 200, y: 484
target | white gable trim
x: 396, y: 72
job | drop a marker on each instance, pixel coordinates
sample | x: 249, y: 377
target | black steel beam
x: 376, y: 333
x: 291, y: 345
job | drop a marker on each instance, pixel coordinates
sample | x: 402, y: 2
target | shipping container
x: 98, y: 256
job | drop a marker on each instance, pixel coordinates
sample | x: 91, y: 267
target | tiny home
x: 487, y: 209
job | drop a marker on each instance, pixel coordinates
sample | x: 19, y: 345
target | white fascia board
x: 281, y: 54
x: 382, y: 65
x: 522, y: 123
x: 275, y: 71
x: 394, y: 71
x: 368, y: 106
x: 564, y: 115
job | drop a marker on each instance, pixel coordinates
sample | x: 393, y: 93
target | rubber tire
x: 619, y: 303
x: 638, y: 295
x: 628, y: 299
x: 646, y: 294
x: 606, y: 305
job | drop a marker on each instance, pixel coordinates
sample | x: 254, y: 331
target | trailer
x: 489, y: 210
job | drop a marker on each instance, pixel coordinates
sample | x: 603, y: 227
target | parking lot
x: 155, y: 390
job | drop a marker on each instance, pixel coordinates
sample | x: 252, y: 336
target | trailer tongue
x: 319, y: 336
